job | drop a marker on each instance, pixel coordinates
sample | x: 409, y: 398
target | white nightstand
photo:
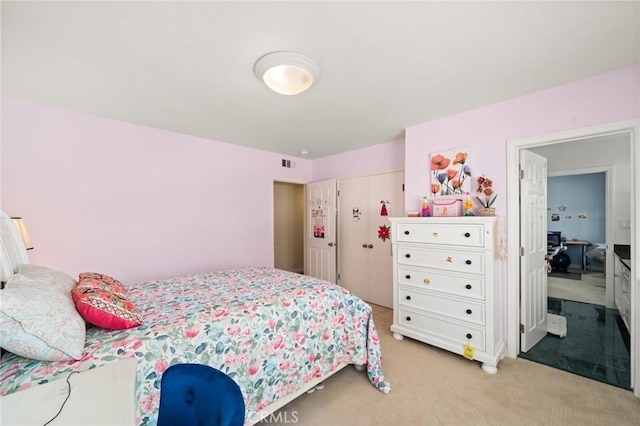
x: 101, y: 396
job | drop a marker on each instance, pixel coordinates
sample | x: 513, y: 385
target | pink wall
x: 132, y: 201
x: 610, y: 97
x: 141, y: 203
x: 375, y: 159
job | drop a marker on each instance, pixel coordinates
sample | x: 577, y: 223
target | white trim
x: 632, y: 128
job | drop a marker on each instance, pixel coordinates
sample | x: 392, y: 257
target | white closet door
x: 384, y: 188
x: 352, y: 235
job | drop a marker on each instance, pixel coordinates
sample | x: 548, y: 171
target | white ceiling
x: 188, y: 66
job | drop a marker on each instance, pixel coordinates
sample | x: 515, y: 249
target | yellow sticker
x: 468, y: 351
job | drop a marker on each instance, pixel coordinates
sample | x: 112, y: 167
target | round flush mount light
x: 287, y: 73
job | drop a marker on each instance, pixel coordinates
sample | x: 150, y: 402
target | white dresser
x: 447, y: 286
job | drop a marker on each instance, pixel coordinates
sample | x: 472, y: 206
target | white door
x: 533, y: 243
x: 385, y: 196
x: 353, y: 228
x: 321, y: 230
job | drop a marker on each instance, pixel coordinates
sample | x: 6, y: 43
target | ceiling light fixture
x: 288, y: 73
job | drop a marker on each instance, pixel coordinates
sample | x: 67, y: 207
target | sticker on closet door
x: 386, y: 206
x: 355, y: 214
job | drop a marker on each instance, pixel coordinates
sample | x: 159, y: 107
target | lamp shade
x: 287, y: 73
x: 22, y: 229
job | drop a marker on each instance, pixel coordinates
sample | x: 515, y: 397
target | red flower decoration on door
x: 384, y: 232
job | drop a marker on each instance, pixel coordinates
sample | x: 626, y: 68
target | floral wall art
x: 450, y: 173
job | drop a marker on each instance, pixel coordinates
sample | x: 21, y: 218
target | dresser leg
x: 490, y: 369
x: 398, y: 336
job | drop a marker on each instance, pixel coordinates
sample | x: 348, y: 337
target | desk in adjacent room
x: 583, y: 245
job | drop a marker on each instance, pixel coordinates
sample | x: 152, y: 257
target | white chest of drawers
x: 447, y: 290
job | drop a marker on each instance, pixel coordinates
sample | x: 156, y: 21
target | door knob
x: 370, y: 246
x: 364, y: 245
x: 330, y: 244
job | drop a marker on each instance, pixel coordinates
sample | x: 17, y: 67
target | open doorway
x: 594, y: 144
x: 288, y: 226
x: 594, y: 342
x: 577, y: 205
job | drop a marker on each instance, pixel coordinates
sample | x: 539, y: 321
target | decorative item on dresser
x: 485, y: 188
x: 447, y: 286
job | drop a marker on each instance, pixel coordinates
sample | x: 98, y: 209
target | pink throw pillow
x: 102, y: 307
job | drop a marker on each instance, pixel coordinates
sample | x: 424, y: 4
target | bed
x: 276, y: 333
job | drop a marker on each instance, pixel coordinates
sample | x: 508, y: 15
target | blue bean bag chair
x: 196, y: 394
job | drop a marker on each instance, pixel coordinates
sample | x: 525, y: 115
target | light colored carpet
x: 430, y: 386
x: 590, y: 289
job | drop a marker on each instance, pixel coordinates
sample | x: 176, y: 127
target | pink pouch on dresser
x: 448, y: 207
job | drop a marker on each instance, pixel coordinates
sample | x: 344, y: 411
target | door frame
x: 630, y: 127
x: 275, y: 237
x: 608, y: 226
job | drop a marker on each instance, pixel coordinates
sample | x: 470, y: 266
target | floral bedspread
x: 271, y: 331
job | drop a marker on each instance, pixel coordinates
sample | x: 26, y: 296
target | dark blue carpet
x: 596, y: 345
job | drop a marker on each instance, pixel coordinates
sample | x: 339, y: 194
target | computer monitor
x: 554, y: 238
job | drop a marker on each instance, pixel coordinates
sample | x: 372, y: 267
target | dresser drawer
x: 444, y: 282
x: 442, y: 328
x: 450, y: 260
x: 455, y: 308
x: 471, y: 235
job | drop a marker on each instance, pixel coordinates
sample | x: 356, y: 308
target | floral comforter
x: 271, y: 331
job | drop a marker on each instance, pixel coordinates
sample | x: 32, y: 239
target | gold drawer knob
x: 426, y: 281
x: 435, y: 235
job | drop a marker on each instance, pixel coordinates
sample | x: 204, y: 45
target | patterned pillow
x: 38, y: 319
x: 101, y: 306
x: 101, y: 282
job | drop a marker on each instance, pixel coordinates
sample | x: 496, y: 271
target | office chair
x: 199, y: 395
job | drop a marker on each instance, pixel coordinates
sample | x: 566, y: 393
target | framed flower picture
x: 450, y: 173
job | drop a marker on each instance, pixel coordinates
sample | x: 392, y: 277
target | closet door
x: 385, y: 197
x: 352, y: 235
x: 364, y: 248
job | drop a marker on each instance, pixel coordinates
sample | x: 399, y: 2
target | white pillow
x: 29, y: 274
x: 38, y: 318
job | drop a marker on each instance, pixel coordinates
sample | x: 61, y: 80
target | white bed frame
x: 270, y: 409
